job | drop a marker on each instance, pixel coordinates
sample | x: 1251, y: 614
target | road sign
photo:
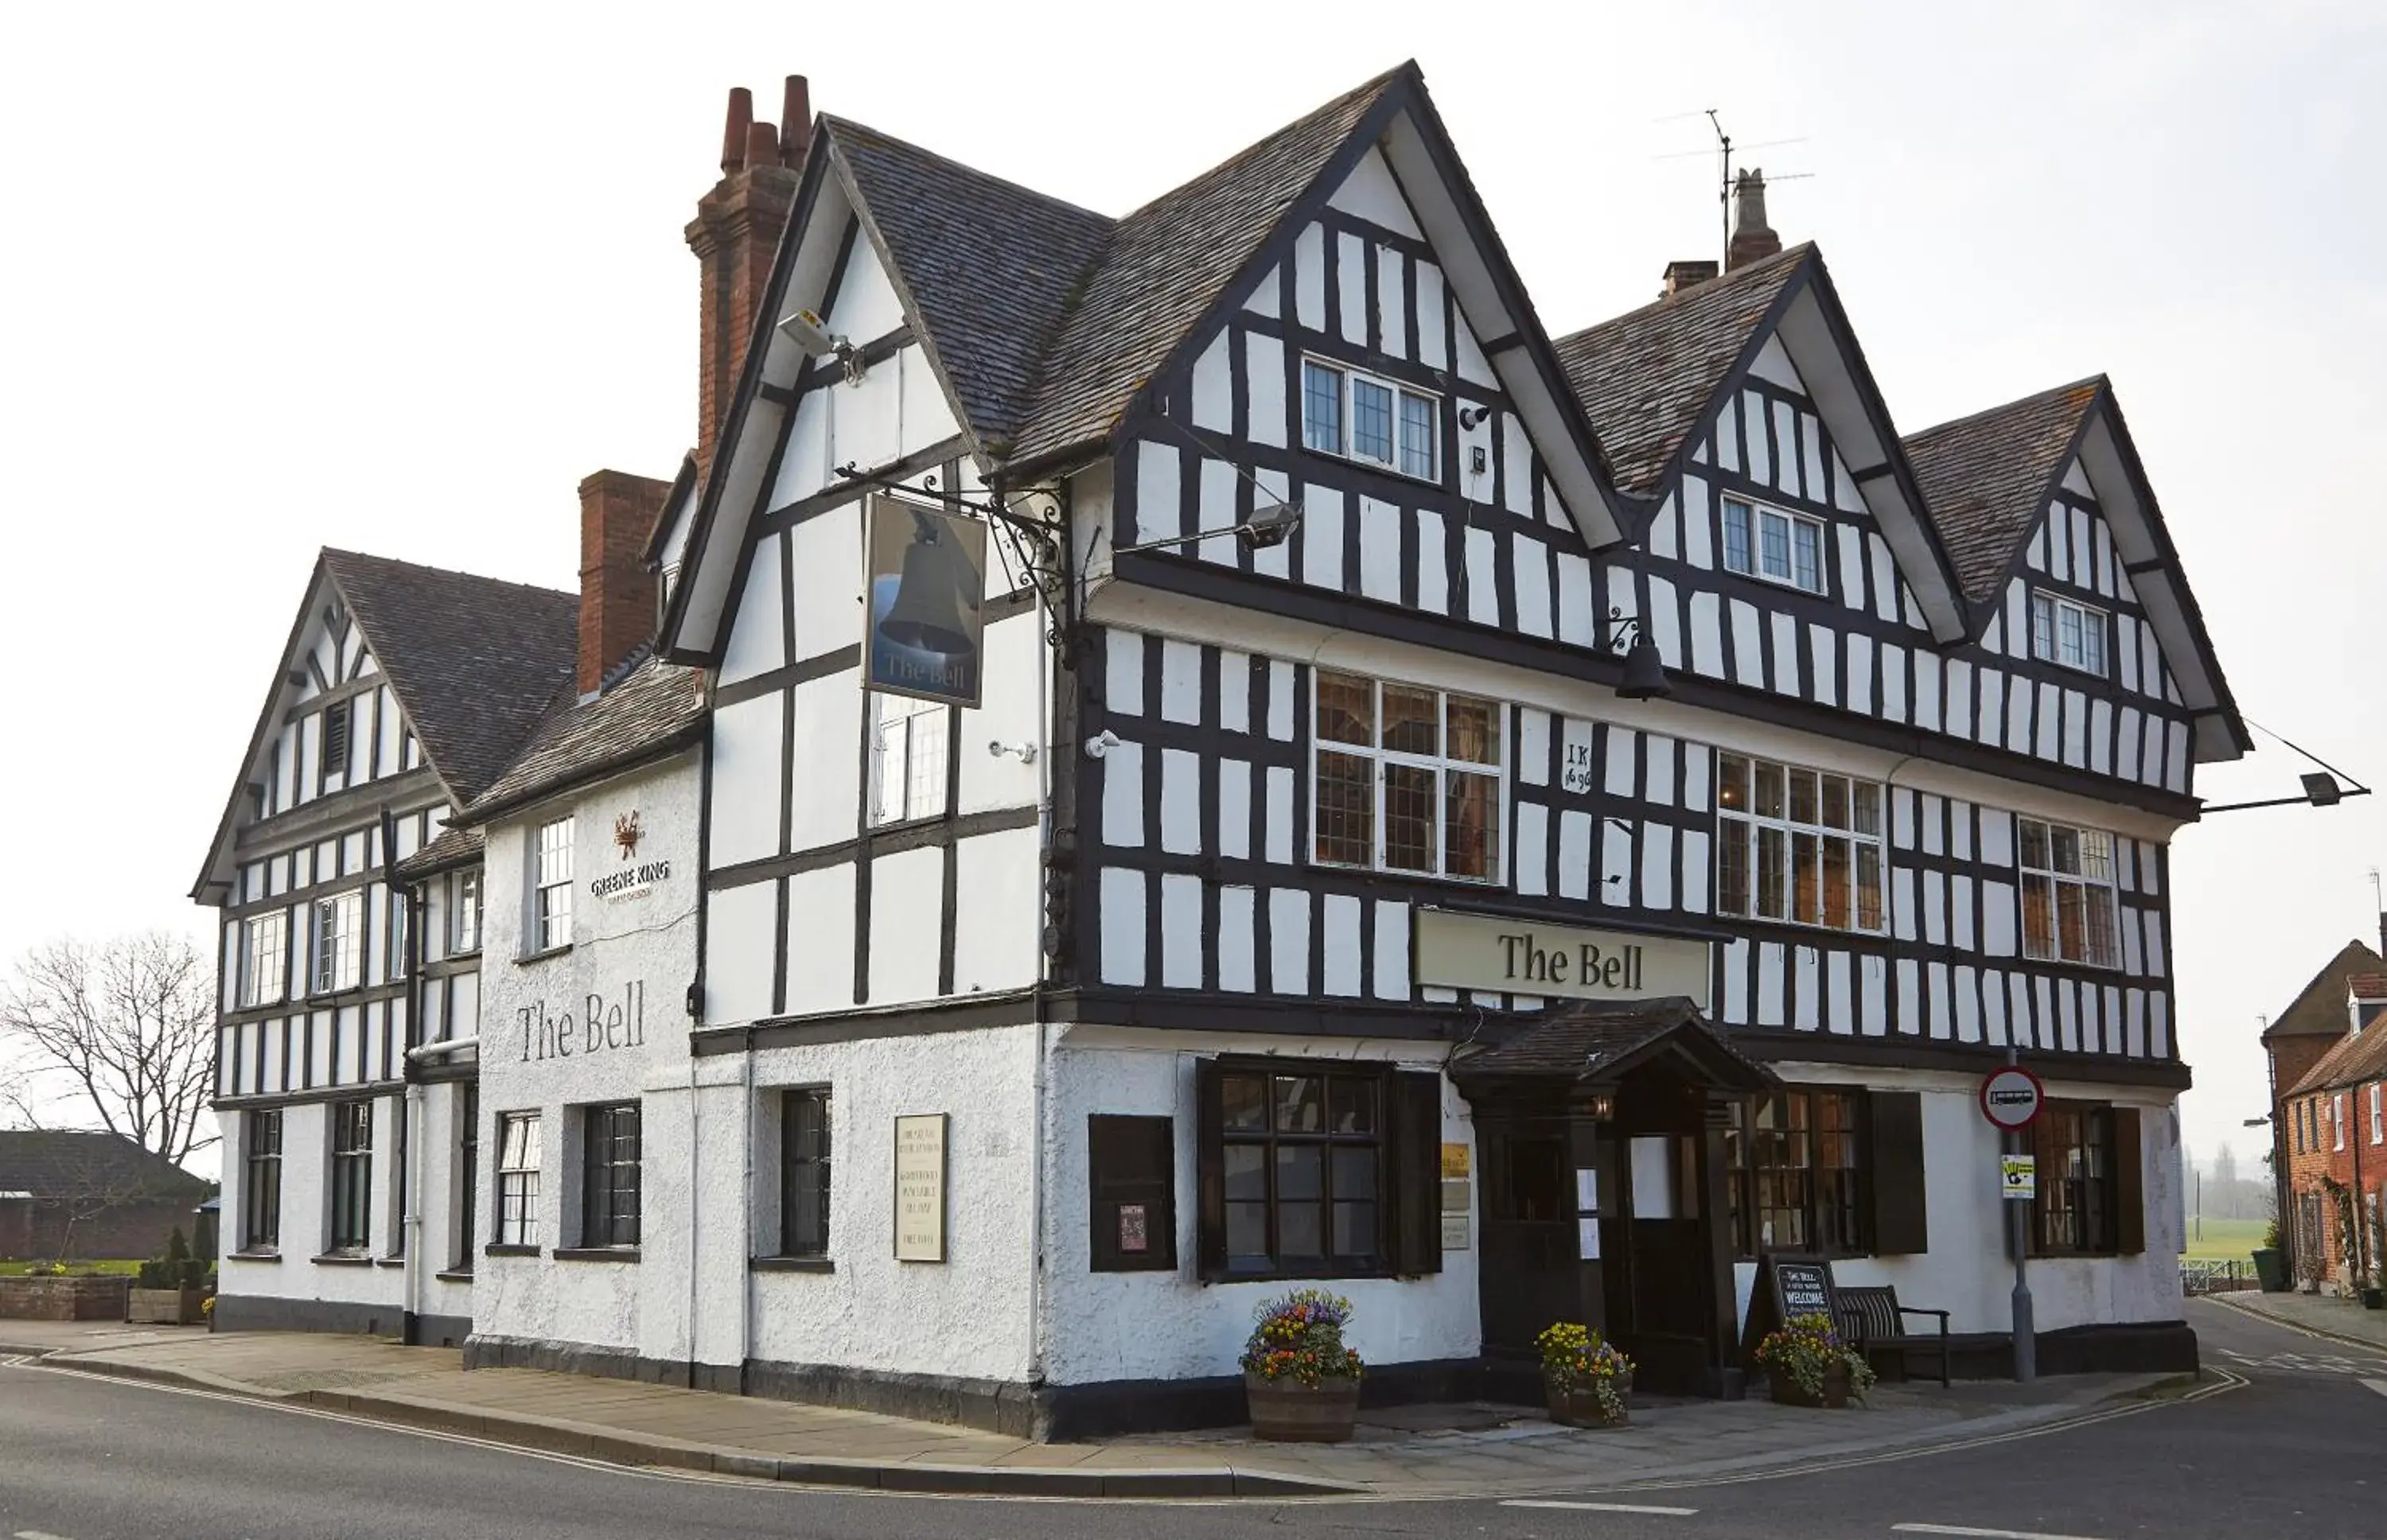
x: 2018, y: 1174
x: 2011, y: 1098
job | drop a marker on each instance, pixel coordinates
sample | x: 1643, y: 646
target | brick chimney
x: 1684, y: 275
x: 735, y: 234
x: 1752, y: 239
x: 617, y: 591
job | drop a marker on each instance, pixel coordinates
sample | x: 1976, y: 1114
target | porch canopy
x: 1591, y: 1046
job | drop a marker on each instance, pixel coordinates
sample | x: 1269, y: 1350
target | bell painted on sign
x: 927, y: 614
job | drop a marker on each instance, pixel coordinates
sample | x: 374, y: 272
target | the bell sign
x: 927, y: 572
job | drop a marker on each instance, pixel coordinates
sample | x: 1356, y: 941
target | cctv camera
x: 1102, y: 743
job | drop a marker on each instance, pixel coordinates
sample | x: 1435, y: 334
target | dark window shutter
x: 1131, y: 1187
x: 1210, y: 1167
x: 1415, y: 1164
x: 2129, y: 1184
x: 1894, y: 1168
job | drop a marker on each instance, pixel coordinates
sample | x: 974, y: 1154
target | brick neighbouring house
x: 68, y: 1193
x: 2325, y: 1067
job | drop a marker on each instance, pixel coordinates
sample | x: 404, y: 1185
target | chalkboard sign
x: 1789, y: 1286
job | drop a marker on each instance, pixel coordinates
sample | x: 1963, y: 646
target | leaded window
x: 1801, y: 846
x: 351, y: 1176
x: 2068, y: 895
x: 1406, y: 779
x: 2076, y: 1204
x: 2068, y: 632
x: 339, y: 942
x: 804, y: 1172
x: 1361, y: 417
x: 265, y: 957
x: 1767, y: 543
x: 909, y: 755
x: 1303, y: 1162
x: 261, y: 1195
x: 1795, y: 1173
x: 610, y: 1177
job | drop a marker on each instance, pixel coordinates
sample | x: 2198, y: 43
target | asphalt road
x: 95, y: 1459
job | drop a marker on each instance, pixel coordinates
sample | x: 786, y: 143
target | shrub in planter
x: 1590, y: 1383
x: 167, y: 1289
x: 1302, y: 1383
x: 1810, y: 1366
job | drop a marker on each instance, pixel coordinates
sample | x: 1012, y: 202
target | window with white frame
x: 339, y: 942
x: 1406, y: 779
x: 2378, y: 1121
x: 2337, y: 1121
x: 518, y: 1169
x: 1802, y: 846
x: 2064, y: 631
x: 1767, y: 543
x: 1357, y: 416
x: 551, y: 883
x: 2068, y: 895
x: 401, y: 912
x: 465, y: 910
x: 909, y: 752
x: 265, y: 957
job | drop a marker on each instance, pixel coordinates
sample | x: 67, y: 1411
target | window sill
x: 454, y: 1275
x: 398, y: 1261
x: 1389, y: 874
x: 1779, y: 585
x: 1282, y: 1275
x: 792, y: 1264
x: 525, y: 959
x: 342, y: 1259
x: 1339, y: 456
x: 268, y: 1255
x: 898, y: 825
x: 1807, y: 931
x: 595, y: 1253
x: 508, y: 1248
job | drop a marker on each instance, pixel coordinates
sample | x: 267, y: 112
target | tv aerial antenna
x: 1722, y: 152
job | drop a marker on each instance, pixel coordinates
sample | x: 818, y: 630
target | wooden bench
x: 1873, y: 1321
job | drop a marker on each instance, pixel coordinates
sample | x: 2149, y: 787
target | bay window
x: 1406, y: 779
x: 1801, y: 846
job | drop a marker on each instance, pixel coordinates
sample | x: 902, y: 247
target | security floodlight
x: 2320, y: 789
x: 1268, y: 525
x: 807, y: 331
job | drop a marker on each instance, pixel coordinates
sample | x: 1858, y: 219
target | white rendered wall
x: 1166, y: 1325
x: 965, y: 1317
x: 307, y: 1214
x: 1966, y: 1271
x: 544, y: 1049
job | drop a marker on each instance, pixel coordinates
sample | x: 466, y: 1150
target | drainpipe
x: 1064, y: 538
x: 417, y: 1120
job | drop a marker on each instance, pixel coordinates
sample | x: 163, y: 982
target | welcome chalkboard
x: 1789, y: 1286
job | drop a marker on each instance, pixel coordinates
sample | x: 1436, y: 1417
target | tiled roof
x: 476, y: 661
x: 1646, y: 377
x: 992, y: 267
x: 2367, y: 986
x: 54, y: 1163
x: 2318, y: 1010
x: 1167, y: 264
x: 2360, y: 1059
x: 455, y: 847
x: 1589, y: 1041
x: 656, y: 704
x: 1984, y: 477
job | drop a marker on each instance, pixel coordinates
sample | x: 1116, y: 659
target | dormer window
x: 1356, y: 416
x: 1776, y: 547
x: 2068, y: 632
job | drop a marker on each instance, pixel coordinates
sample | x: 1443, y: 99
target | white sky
x: 273, y: 279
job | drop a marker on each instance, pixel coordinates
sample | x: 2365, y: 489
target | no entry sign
x: 2011, y: 1098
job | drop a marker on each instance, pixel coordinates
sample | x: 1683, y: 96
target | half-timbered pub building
x: 1512, y: 824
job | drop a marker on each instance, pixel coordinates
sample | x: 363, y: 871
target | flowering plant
x: 1575, y: 1359
x: 1805, y: 1348
x: 1300, y: 1337
x: 207, y: 1308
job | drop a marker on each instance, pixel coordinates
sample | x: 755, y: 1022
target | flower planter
x: 1287, y: 1412
x: 163, y: 1307
x: 2373, y: 1297
x: 1787, y: 1392
x: 1575, y: 1407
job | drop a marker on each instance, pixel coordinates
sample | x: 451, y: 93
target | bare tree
x: 126, y: 1028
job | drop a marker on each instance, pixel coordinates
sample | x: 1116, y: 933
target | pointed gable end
x: 1174, y: 266
x: 1658, y: 380
x: 1997, y: 481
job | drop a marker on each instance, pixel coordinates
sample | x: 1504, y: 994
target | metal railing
x: 2206, y: 1275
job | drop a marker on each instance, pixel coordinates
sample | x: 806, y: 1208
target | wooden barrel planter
x: 1787, y: 1392
x: 1287, y: 1412
x: 1581, y: 1409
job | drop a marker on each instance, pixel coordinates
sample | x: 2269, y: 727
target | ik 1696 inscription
x: 604, y: 1023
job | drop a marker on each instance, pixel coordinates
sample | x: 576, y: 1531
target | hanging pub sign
x: 926, y: 574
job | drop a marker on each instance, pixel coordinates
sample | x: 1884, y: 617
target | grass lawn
x: 16, y: 1269
x: 2226, y: 1239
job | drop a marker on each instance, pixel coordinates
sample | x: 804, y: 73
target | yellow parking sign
x: 2018, y: 1176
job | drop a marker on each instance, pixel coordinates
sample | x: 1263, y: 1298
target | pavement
x: 2343, y: 1320
x: 1475, y: 1451
x: 2286, y: 1441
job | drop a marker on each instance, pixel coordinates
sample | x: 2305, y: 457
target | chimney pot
x: 1752, y: 239
x: 761, y: 145
x: 795, y: 122
x: 1681, y: 275
x: 734, y: 133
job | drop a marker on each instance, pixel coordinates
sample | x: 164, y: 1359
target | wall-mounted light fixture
x: 1027, y: 751
x: 1644, y: 672
x: 1102, y: 743
x: 1471, y: 418
x: 1268, y: 525
x: 808, y: 332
